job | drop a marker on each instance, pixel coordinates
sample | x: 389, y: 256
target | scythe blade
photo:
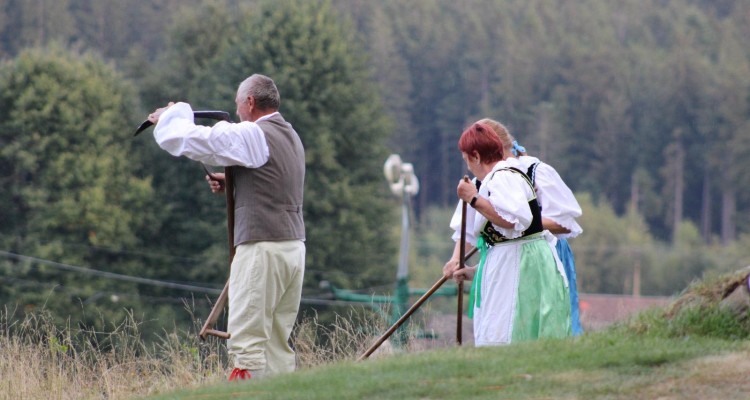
x: 217, y: 115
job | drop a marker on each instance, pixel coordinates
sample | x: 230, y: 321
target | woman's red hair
x: 482, y: 140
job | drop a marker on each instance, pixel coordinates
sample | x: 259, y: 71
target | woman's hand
x: 464, y: 274
x: 450, y: 267
x: 451, y: 270
x: 466, y: 190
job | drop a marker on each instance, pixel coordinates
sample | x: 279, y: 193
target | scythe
x: 207, y: 328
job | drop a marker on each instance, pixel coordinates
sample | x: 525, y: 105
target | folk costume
x: 519, y: 290
x: 558, y: 204
x: 265, y: 284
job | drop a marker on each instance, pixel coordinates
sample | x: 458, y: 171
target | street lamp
x: 400, y: 177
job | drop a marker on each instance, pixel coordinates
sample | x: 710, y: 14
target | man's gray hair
x: 263, y: 90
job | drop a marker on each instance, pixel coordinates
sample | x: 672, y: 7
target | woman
x: 518, y: 290
x: 559, y: 209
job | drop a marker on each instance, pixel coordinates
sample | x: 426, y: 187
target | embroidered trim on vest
x: 531, y: 172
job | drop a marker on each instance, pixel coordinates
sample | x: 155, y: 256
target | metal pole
x: 402, y: 274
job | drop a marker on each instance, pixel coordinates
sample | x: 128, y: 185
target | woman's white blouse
x: 555, y: 197
x: 509, y: 193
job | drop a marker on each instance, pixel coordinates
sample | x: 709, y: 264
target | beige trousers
x: 265, y: 288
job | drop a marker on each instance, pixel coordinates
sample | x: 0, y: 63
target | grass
x: 694, y: 349
x: 39, y: 360
x: 603, y: 365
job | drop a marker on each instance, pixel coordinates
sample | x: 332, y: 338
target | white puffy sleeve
x: 510, y: 194
x: 557, y: 200
x: 224, y: 144
x: 471, y: 217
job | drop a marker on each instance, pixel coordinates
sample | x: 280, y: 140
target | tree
x: 67, y: 177
x: 36, y: 23
x: 611, y: 249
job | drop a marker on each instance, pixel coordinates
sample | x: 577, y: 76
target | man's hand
x: 154, y: 117
x: 216, y: 182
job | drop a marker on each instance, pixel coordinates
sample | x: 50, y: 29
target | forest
x: 642, y: 106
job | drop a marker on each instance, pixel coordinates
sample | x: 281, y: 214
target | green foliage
x: 66, y: 172
x: 675, y: 267
x: 729, y: 258
x: 612, y: 248
x: 599, y: 94
x: 432, y: 247
x: 112, y: 27
x: 605, y: 257
x: 700, y: 320
x: 438, y: 96
x: 712, y: 322
x: 68, y: 179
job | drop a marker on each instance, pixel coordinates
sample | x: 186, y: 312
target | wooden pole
x: 461, y: 256
x: 218, y: 307
x: 408, y: 313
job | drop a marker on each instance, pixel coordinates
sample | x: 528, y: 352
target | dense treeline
x: 642, y: 106
x: 632, y: 101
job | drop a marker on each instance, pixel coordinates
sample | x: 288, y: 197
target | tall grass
x: 39, y: 360
x: 343, y: 339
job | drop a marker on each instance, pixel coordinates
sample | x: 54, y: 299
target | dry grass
x: 711, y: 290
x: 318, y: 344
x: 39, y: 360
x: 347, y: 338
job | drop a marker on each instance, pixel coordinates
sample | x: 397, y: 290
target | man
x: 267, y: 163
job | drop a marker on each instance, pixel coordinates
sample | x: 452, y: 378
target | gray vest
x: 268, y: 200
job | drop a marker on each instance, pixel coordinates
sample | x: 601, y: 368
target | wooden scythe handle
x: 207, y: 328
x: 461, y: 263
x: 408, y: 313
